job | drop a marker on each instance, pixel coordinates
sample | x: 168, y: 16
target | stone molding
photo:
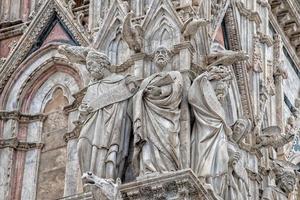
x: 239, y: 68
x: 19, y: 145
x: 21, y: 117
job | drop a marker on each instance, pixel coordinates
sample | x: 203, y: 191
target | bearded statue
x: 161, y: 58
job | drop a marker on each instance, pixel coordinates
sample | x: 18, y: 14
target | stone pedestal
x: 180, y: 185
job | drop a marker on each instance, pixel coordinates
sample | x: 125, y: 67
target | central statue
x: 156, y: 116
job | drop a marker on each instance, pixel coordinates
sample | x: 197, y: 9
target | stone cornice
x: 288, y: 46
x: 21, y: 117
x: 183, y: 45
x: 13, y: 31
x: 286, y: 16
x: 18, y: 145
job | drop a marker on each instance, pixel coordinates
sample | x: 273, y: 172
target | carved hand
x: 153, y: 91
x: 85, y: 109
x: 234, y: 158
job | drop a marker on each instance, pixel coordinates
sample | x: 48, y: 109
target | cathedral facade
x: 149, y: 99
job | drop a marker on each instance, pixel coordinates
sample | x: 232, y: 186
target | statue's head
x: 240, y: 129
x: 291, y: 120
x: 98, y: 65
x: 161, y: 57
x: 286, y: 180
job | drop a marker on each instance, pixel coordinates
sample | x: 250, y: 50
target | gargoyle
x: 108, y: 188
x: 74, y: 53
x: 132, y: 35
x: 191, y: 27
x: 272, y: 136
x: 226, y: 57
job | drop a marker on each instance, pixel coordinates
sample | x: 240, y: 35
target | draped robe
x: 209, y: 156
x: 273, y: 193
x: 106, y: 129
x: 157, y: 125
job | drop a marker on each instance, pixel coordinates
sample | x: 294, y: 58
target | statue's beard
x: 161, y: 62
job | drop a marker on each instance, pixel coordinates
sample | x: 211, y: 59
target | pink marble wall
x: 57, y: 33
x: 5, y: 45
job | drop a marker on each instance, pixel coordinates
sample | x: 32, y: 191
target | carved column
x: 280, y: 75
x: 185, y: 51
x: 6, y: 169
x: 72, y: 166
x: 32, y: 160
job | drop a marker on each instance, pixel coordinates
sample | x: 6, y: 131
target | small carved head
x: 286, y: 180
x: 240, y: 129
x: 221, y: 90
x: 291, y: 121
x: 161, y: 57
x: 98, y: 64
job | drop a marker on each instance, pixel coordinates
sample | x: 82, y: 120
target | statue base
x: 179, y: 185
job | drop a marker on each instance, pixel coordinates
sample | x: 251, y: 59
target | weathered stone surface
x: 47, y: 90
x: 173, y: 185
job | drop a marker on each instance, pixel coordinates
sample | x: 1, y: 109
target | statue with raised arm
x: 104, y: 113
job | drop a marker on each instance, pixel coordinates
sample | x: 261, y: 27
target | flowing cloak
x: 238, y: 188
x: 157, y: 125
x: 209, y: 156
x: 273, y: 193
x: 107, y: 128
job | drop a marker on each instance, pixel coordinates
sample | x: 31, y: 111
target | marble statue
x: 209, y: 146
x: 285, y: 183
x: 238, y: 187
x: 105, y: 114
x: 156, y: 123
